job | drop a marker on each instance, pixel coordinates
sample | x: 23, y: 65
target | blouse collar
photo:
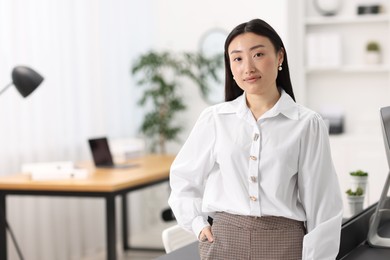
x: 285, y: 106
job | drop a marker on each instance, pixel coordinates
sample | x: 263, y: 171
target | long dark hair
x: 259, y: 27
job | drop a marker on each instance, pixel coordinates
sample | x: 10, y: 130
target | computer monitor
x: 385, y: 120
x: 376, y: 237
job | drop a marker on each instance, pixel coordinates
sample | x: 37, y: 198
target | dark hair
x: 259, y: 27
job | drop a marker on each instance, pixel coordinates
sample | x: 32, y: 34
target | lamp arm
x: 5, y: 88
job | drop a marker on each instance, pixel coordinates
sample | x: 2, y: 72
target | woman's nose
x: 249, y: 67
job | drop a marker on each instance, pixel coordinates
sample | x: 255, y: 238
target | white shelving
x: 360, y: 89
x: 350, y: 69
x: 362, y: 19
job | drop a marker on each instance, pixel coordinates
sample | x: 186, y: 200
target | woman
x: 258, y: 164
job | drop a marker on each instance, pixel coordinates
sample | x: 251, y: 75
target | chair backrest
x: 176, y: 237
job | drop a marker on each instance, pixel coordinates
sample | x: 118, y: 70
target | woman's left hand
x: 206, y: 235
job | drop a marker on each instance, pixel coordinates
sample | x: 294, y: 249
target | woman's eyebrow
x: 257, y: 46
x: 251, y: 48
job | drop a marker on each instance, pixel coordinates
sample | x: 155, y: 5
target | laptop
x: 101, y: 154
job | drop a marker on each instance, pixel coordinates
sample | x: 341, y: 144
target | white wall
x: 84, y: 49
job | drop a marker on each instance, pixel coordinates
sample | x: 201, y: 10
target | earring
x: 280, y: 67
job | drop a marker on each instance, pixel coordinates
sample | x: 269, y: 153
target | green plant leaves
x: 358, y: 192
x: 159, y: 73
x: 359, y: 173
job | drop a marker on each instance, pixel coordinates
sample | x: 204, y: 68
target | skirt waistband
x: 252, y: 222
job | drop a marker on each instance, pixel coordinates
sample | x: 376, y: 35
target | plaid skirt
x: 256, y: 238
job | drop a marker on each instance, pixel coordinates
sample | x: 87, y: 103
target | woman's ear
x: 281, y: 55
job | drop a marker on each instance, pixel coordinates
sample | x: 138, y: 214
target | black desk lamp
x: 26, y: 80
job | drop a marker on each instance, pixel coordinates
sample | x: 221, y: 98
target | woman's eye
x: 259, y: 54
x: 237, y: 59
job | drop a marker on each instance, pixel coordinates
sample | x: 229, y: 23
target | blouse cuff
x: 198, y: 224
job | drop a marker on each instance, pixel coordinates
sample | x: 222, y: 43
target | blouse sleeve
x: 188, y: 174
x: 319, y: 192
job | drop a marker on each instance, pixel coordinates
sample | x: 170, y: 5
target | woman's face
x: 254, y: 63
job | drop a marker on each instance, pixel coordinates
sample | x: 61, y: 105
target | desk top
x: 150, y: 168
x: 364, y: 252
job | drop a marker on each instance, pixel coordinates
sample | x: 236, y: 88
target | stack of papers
x: 125, y: 149
x: 54, y: 171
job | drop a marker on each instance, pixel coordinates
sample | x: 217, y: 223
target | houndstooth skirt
x: 254, y: 238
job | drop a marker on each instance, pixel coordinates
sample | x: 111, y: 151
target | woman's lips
x: 252, y: 79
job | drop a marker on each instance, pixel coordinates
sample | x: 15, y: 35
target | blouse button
x: 254, y: 158
x: 253, y: 178
x: 255, y: 137
x: 253, y: 198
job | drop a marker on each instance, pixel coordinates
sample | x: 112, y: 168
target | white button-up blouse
x: 279, y: 165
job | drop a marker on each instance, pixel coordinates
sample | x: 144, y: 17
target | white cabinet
x: 344, y: 80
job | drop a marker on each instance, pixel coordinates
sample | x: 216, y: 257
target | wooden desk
x: 354, y: 245
x: 105, y: 183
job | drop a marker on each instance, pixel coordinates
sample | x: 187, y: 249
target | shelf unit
x: 359, y: 89
x: 326, y: 85
x: 350, y: 69
x: 350, y: 19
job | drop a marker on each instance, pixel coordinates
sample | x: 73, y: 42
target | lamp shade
x: 26, y: 80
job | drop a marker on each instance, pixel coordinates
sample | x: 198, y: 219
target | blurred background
x: 85, y: 51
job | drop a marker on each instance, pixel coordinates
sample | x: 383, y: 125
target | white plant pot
x: 355, y: 204
x: 373, y: 57
x: 359, y: 181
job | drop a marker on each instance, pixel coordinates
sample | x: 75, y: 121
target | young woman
x: 258, y: 164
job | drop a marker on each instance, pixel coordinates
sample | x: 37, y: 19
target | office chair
x: 176, y: 237
x: 167, y: 215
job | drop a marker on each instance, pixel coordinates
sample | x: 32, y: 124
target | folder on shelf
x: 323, y: 50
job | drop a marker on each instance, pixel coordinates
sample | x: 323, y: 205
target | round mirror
x: 327, y: 7
x: 212, y: 46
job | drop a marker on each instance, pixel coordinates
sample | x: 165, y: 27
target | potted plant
x: 355, y: 200
x: 359, y: 179
x: 373, y: 55
x: 160, y: 76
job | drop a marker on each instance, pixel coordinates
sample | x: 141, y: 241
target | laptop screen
x: 101, y: 151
